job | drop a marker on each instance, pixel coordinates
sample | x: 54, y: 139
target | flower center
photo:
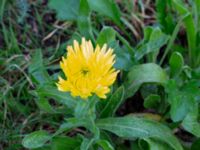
x: 84, y: 71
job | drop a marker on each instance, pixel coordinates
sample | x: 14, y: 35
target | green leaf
x: 190, y: 29
x: 124, y: 60
x: 157, y: 145
x: 172, y: 39
x: 107, y: 8
x: 36, y: 139
x: 105, y: 145
x: 113, y: 103
x: 133, y: 127
x: 61, y: 97
x: 71, y: 123
x: 44, y: 105
x: 152, y: 101
x: 176, y: 63
x: 181, y: 101
x: 197, y: 13
x: 66, y: 9
x: 190, y: 123
x: 86, y: 144
x: 156, y: 40
x: 37, y: 70
x: 65, y: 143
x: 86, y: 108
x: 84, y: 23
x: 145, y: 73
x: 164, y: 15
x: 107, y: 35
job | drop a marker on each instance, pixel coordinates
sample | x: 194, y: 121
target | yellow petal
x: 88, y: 71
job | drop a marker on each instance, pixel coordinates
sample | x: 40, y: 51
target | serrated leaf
x: 133, y: 127
x: 36, y: 139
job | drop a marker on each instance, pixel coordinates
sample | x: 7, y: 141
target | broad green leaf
x: 107, y: 35
x: 66, y: 9
x: 61, y: 97
x: 152, y: 101
x: 65, y: 143
x: 36, y: 139
x: 157, y: 145
x: 181, y: 101
x: 176, y: 63
x: 84, y: 23
x: 190, y: 123
x: 145, y: 73
x: 113, y: 103
x: 133, y: 127
x: 71, y: 123
x: 156, y: 40
x: 86, y: 143
x: 124, y: 60
x: 37, y: 70
x: 107, y: 8
x: 105, y: 145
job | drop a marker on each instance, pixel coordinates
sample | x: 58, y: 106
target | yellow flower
x: 88, y: 71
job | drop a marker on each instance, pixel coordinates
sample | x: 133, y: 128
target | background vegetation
x: 153, y: 105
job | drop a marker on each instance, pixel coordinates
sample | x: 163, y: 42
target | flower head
x: 87, y: 70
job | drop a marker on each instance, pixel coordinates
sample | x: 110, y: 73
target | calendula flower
x: 87, y: 70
